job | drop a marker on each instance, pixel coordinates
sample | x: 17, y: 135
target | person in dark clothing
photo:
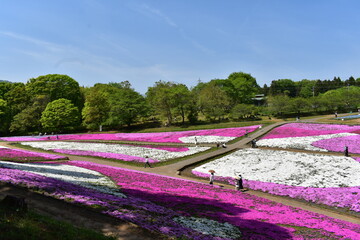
x: 147, y: 163
x: 253, y: 143
x: 239, y: 183
x: 346, y: 151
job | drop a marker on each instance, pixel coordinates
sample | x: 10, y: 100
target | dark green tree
x: 283, y: 86
x: 28, y: 120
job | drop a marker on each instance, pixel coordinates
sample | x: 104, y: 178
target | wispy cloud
x: 38, y: 42
x: 159, y: 14
x: 147, y: 10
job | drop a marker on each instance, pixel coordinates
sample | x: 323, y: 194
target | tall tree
x: 279, y: 104
x: 160, y: 98
x: 60, y: 114
x: 245, y: 86
x: 213, y: 101
x: 56, y: 86
x: 4, y: 116
x: 96, y: 109
x: 126, y: 105
x: 283, y: 86
x: 28, y: 120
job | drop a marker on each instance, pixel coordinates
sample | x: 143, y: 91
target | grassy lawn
x: 16, y: 225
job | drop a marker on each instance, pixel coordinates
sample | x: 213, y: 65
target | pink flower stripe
x: 143, y: 137
x: 308, y: 129
x: 118, y: 156
x: 257, y: 218
x: 18, y: 153
x: 347, y: 197
x: 337, y: 144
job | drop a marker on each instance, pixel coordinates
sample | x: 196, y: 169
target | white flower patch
x: 153, y: 153
x: 76, y: 175
x: 303, y: 143
x: 206, y: 139
x: 210, y: 227
x: 288, y: 168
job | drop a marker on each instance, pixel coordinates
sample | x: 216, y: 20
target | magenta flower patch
x: 257, y: 218
x: 8, y: 153
x: 163, y: 137
x: 309, y: 129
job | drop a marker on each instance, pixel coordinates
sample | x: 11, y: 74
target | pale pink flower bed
x: 309, y: 129
x: 161, y: 137
x: 332, y: 144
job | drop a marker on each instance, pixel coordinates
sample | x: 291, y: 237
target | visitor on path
x: 335, y: 114
x: 217, y: 144
x: 346, y: 151
x: 212, y: 177
x: 253, y: 143
x: 224, y: 145
x: 246, y: 133
x: 239, y: 183
x: 147, y: 163
x: 196, y: 142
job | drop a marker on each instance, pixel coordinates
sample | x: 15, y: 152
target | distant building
x: 259, y: 99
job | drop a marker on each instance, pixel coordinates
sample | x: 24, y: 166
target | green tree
x: 283, y: 86
x: 4, y: 116
x: 126, y: 105
x: 18, y: 98
x: 59, y: 115
x: 299, y: 105
x: 161, y: 99
x: 28, y: 120
x: 243, y: 111
x: 245, y: 87
x: 96, y: 109
x: 279, y: 104
x: 213, y: 101
x: 56, y: 86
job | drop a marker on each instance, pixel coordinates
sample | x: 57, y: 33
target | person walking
x: 346, y: 151
x: 253, y: 143
x: 239, y: 183
x: 211, y: 178
x: 147, y: 163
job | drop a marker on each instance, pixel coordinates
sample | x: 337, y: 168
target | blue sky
x: 101, y: 41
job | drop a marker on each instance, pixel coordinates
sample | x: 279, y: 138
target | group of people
x: 238, y: 181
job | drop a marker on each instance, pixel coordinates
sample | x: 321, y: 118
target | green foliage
x: 29, y: 118
x: 245, y: 87
x: 127, y: 105
x: 213, y: 101
x: 56, y: 86
x: 170, y: 100
x: 96, y: 109
x: 283, y: 86
x: 4, y: 115
x: 243, y: 111
x: 279, y: 104
x: 59, y: 115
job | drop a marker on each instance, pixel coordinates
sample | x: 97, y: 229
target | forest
x: 57, y: 103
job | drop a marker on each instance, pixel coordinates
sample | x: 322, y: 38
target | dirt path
x: 80, y: 216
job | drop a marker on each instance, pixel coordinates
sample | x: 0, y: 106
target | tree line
x: 56, y: 103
